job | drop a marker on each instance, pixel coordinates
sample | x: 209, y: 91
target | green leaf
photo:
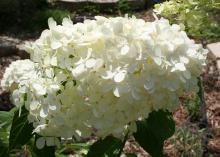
x: 31, y: 150
x: 21, y: 129
x: 5, y: 119
x: 78, y: 146
x: 5, y: 124
x: 4, y: 137
x: 4, y: 150
x: 46, y: 151
x: 108, y: 147
x: 75, y: 146
x: 152, y: 132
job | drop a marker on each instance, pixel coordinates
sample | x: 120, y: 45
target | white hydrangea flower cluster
x: 100, y: 76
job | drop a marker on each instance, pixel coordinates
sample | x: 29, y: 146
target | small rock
x: 81, y: 19
x: 8, y: 46
x: 11, y: 46
x: 214, y: 54
x: 214, y: 50
x: 218, y: 64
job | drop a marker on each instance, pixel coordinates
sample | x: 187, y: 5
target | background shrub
x: 200, y: 17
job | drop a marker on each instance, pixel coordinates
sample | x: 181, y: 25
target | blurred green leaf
x: 5, y: 119
x: 75, y: 146
x: 152, y: 132
x: 108, y: 147
x: 5, y: 124
x: 21, y: 129
x: 4, y: 151
x: 200, y: 17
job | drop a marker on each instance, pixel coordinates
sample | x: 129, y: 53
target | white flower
x: 99, y: 76
x: 19, y: 72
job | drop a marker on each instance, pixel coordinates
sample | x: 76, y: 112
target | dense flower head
x: 100, y: 76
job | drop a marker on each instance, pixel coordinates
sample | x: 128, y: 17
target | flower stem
x: 124, y: 141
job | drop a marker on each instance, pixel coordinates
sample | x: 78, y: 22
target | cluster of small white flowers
x: 170, y: 7
x: 100, y: 76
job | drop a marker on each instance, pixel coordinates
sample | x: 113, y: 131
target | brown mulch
x: 146, y: 15
x: 132, y: 147
x: 212, y: 97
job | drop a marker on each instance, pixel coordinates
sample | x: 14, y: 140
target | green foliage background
x: 200, y: 17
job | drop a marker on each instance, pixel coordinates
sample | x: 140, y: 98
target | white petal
x: 116, y: 92
x: 47, y: 60
x: 80, y: 61
x: 49, y: 73
x: 34, y: 105
x: 135, y: 95
x: 39, y: 89
x: 148, y: 85
x: 52, y: 24
x: 53, y: 107
x: 105, y: 30
x: 158, y: 52
x: 119, y: 77
x: 158, y: 60
x: 55, y: 44
x: 125, y: 50
x: 173, y: 69
x: 78, y: 70
x: 44, y: 112
x: 176, y: 27
x: 170, y: 47
x: 108, y: 75
x: 54, y: 87
x: 89, y: 53
x: 99, y: 63
x: 67, y: 22
x: 90, y: 63
x: 118, y: 27
x: 184, y: 60
x: 178, y: 41
x: 40, y: 143
x: 40, y: 127
x: 180, y: 67
x: 79, y: 132
x: 53, y: 61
